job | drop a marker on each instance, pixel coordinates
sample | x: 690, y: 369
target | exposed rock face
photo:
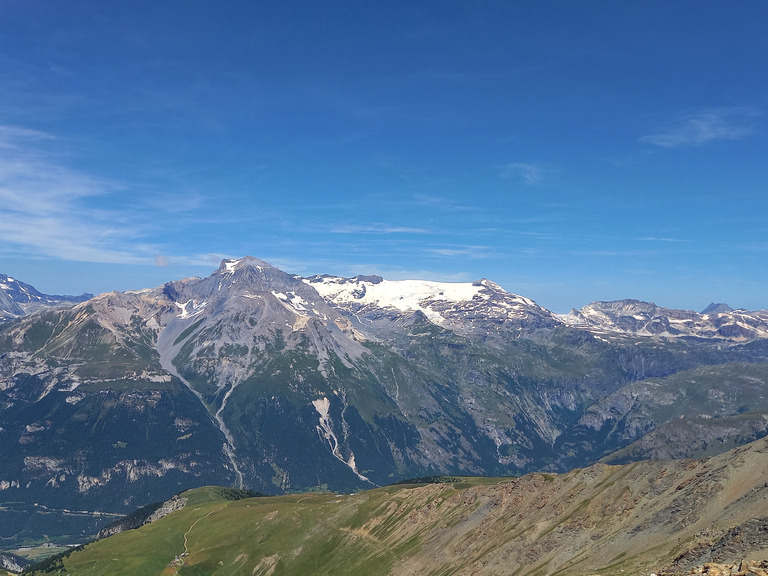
x: 743, y: 568
x: 176, y: 503
x: 718, y: 546
x: 12, y: 563
x: 143, y: 515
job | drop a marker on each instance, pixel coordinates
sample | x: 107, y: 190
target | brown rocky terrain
x: 663, y: 517
x: 743, y: 568
x: 668, y: 518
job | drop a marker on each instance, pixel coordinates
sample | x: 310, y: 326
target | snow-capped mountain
x: 636, y: 318
x: 464, y: 308
x: 372, y: 304
x: 18, y: 299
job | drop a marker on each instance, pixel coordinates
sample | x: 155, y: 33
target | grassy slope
x: 601, y: 519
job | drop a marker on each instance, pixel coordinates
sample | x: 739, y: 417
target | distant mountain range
x: 257, y: 378
x: 636, y: 318
x: 19, y: 299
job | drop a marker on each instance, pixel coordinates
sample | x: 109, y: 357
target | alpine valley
x: 259, y: 379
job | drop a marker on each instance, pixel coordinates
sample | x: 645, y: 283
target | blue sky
x: 569, y: 151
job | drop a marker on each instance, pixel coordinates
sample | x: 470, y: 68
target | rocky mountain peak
x: 230, y: 266
x: 484, y: 282
x: 717, y: 308
x: 19, y: 299
x: 260, y: 274
x: 19, y: 291
x: 237, y: 277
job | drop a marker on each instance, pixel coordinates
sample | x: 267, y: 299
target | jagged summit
x: 243, y: 277
x: 230, y: 266
x: 717, y: 308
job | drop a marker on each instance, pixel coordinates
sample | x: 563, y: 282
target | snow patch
x: 402, y: 295
x: 191, y: 308
x: 294, y: 302
x: 231, y: 265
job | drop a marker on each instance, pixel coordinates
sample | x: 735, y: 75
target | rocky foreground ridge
x: 706, y: 516
x: 743, y: 568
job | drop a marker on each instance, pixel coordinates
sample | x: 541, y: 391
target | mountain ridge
x: 19, y: 299
x: 627, y: 316
x: 635, y: 317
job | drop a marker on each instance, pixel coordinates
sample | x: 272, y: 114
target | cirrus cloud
x: 703, y: 126
x: 46, y: 208
x: 376, y: 228
x: 531, y: 174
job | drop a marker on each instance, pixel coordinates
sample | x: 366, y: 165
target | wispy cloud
x: 530, y: 174
x: 16, y: 137
x: 45, y: 207
x: 377, y: 228
x: 354, y: 267
x: 452, y: 251
x: 434, y: 275
x: 206, y: 260
x: 442, y: 203
x: 660, y: 239
x: 703, y: 126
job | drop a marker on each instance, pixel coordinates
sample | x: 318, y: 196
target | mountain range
x: 256, y: 378
x: 19, y: 299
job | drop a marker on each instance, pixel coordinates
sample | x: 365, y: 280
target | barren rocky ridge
x: 663, y: 517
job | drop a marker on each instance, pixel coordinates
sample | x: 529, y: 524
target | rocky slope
x: 12, y: 563
x: 260, y: 379
x: 663, y: 517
